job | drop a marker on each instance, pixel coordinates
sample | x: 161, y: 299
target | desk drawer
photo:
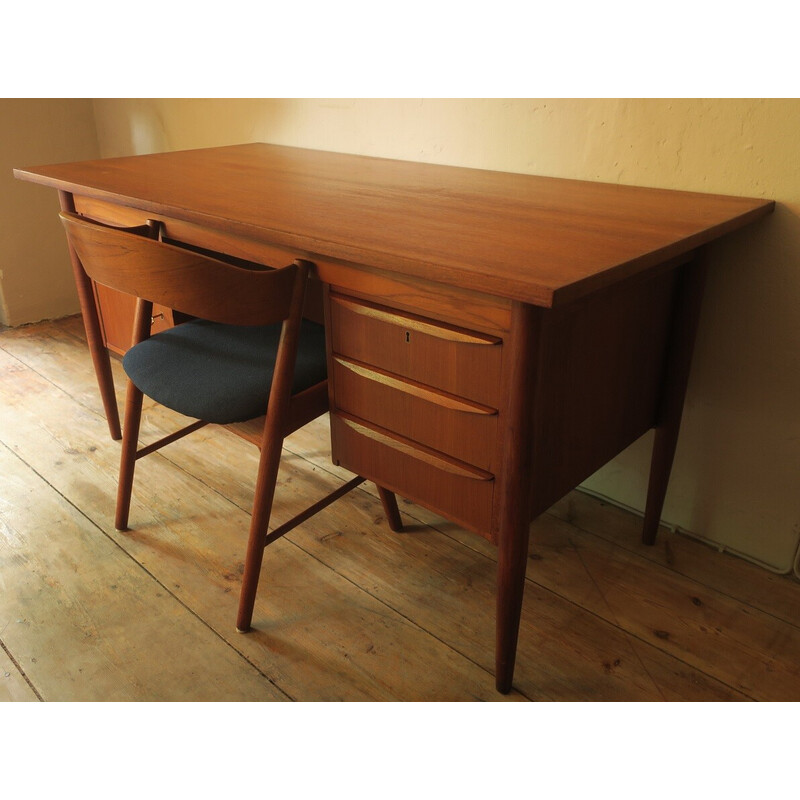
x: 460, y: 428
x: 117, y: 311
x: 455, y: 490
x: 461, y: 362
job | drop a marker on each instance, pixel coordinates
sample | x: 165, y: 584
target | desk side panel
x: 602, y: 373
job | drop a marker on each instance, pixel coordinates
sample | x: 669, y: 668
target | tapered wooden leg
x: 133, y: 417
x: 688, y: 302
x: 94, y: 334
x: 511, y: 562
x: 127, y: 463
x: 389, y: 502
x: 272, y: 443
x: 259, y: 525
x: 515, y: 488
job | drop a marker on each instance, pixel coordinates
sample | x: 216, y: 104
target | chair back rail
x: 180, y: 279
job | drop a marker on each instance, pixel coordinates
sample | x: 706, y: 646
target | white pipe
x: 795, y: 569
x: 797, y: 563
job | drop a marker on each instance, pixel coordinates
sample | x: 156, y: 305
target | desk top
x: 540, y: 240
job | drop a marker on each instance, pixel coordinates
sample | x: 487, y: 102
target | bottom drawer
x: 457, y: 491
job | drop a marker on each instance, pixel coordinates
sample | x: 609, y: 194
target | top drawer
x: 462, y: 362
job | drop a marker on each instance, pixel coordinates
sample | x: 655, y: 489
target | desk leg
x: 515, y: 487
x: 688, y: 302
x: 390, y: 509
x: 94, y: 335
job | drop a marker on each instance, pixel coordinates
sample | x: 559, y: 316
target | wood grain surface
x: 536, y: 239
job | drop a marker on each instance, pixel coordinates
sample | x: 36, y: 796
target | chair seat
x: 221, y: 373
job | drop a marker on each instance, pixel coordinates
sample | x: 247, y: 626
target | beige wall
x: 737, y: 473
x: 35, y: 273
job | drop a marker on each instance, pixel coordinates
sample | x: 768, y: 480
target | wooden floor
x: 347, y: 610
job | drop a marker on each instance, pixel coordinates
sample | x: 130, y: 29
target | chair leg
x: 127, y: 464
x: 271, y: 446
x: 389, y: 502
x: 259, y: 525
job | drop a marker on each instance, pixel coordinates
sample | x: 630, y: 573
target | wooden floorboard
x: 772, y: 593
x: 85, y: 622
x: 13, y: 684
x: 347, y: 610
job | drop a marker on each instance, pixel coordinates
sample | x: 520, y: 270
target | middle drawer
x: 457, y: 427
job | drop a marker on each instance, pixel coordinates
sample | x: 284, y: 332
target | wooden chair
x: 248, y: 357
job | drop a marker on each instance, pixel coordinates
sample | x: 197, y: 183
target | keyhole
x: 408, y: 336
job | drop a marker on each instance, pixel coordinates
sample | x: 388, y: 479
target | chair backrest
x: 180, y: 279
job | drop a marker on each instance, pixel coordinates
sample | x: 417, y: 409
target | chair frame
x: 137, y: 261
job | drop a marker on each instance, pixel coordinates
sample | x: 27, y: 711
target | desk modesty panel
x: 493, y: 338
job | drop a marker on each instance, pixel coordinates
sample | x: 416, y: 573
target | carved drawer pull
x: 409, y: 448
x: 416, y: 389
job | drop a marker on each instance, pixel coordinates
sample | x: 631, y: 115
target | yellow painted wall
x: 736, y: 479
x: 35, y: 273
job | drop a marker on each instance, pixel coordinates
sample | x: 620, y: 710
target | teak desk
x: 493, y: 338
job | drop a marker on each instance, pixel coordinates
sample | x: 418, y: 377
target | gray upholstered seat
x: 221, y: 373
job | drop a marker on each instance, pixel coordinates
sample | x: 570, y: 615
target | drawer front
x: 188, y: 232
x: 458, y: 361
x: 459, y: 428
x: 117, y: 311
x: 459, y: 492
